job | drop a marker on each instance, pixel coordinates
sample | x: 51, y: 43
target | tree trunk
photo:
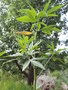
x: 30, y: 75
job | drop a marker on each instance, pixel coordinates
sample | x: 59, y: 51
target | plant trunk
x: 31, y: 75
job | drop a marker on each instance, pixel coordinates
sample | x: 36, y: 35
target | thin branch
x: 19, y: 67
x: 46, y: 64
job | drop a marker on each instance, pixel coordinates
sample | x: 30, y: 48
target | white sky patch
x: 62, y: 47
x: 67, y: 24
x: 62, y: 35
x: 64, y: 16
x: 67, y: 15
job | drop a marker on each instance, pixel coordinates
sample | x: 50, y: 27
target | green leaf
x: 38, y: 59
x: 32, y: 27
x: 33, y: 10
x: 31, y: 13
x: 42, y: 23
x: 51, y: 52
x: 46, y: 30
x: 30, y: 46
x: 24, y: 11
x: 25, y: 65
x: 37, y: 64
x: 39, y: 26
x: 46, y: 6
x: 25, y: 19
x: 31, y: 39
x: 53, y: 28
x: 34, y: 13
x: 61, y: 60
x: 53, y: 46
x: 54, y: 59
x: 56, y: 29
x: 49, y: 29
x: 13, y: 55
x: 35, y: 45
x: 41, y: 14
x: 50, y: 46
x: 54, y: 9
x: 23, y: 42
x: 9, y: 61
x: 2, y: 53
x: 59, y: 50
x: 52, y: 15
x: 3, y: 59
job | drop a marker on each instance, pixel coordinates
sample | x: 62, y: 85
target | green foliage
x: 2, y: 53
x: 32, y: 48
x: 54, y: 9
x: 32, y: 16
x: 24, y: 43
x: 61, y: 78
x: 11, y: 84
x: 46, y: 6
x: 49, y: 29
x: 56, y: 74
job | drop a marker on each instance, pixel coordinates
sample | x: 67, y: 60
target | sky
x: 63, y: 37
